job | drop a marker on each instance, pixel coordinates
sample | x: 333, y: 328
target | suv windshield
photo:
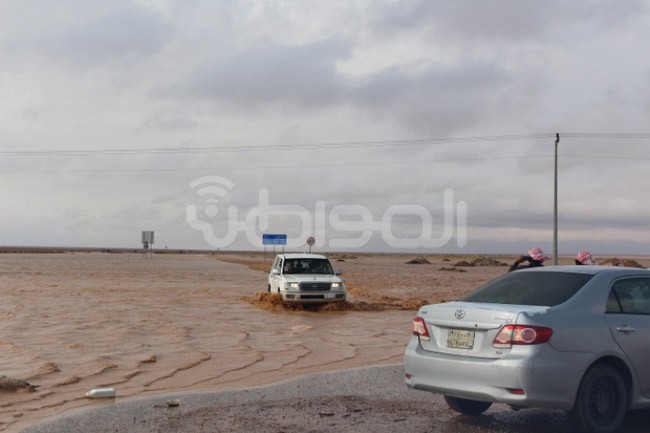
x: 307, y: 266
x: 544, y: 289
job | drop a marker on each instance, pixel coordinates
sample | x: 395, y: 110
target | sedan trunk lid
x: 468, y: 328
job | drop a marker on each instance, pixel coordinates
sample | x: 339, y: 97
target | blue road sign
x: 274, y: 239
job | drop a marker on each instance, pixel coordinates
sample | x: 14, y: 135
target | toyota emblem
x: 459, y: 314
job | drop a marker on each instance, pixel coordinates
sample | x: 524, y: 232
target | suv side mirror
x: 275, y: 272
x: 338, y: 272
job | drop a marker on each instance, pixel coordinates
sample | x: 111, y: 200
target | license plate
x: 460, y: 339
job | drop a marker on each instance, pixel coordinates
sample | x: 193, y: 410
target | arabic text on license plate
x: 460, y: 339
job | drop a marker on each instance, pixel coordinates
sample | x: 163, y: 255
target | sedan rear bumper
x: 548, y: 378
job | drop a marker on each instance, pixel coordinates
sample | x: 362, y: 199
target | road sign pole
x: 274, y: 239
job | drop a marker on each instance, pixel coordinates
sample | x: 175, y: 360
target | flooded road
x: 179, y: 324
x: 144, y: 326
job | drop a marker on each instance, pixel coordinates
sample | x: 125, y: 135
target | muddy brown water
x: 144, y: 326
x: 71, y: 322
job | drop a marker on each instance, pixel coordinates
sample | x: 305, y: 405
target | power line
x: 280, y: 147
x: 606, y: 135
x: 332, y: 145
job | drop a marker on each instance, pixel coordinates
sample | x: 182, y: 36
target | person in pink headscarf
x: 585, y: 258
x: 535, y: 258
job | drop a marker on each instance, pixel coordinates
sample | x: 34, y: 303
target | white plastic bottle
x: 101, y: 393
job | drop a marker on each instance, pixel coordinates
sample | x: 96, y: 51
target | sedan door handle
x: 625, y: 328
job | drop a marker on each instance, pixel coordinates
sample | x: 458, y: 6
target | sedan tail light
x: 420, y: 328
x: 511, y: 335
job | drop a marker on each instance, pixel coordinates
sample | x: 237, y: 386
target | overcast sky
x: 372, y: 125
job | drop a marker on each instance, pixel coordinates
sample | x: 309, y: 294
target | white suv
x: 305, y: 278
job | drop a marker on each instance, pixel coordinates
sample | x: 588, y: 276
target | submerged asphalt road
x: 362, y: 400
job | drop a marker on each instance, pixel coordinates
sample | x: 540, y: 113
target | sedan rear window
x: 544, y: 289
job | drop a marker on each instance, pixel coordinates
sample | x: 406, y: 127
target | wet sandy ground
x: 73, y: 322
x: 177, y: 323
x: 364, y: 400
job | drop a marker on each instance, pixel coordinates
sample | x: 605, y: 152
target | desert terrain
x: 175, y: 323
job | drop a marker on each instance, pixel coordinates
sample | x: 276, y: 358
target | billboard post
x: 147, y: 242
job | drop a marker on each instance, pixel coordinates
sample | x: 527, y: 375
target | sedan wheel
x: 601, y: 403
x: 468, y: 407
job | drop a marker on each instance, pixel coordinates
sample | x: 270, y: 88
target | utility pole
x: 557, y: 140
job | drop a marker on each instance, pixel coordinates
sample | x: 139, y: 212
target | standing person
x: 585, y: 258
x: 535, y: 258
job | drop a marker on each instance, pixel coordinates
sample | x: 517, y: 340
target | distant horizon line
x: 18, y: 249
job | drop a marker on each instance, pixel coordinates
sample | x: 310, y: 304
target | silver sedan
x: 571, y: 337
